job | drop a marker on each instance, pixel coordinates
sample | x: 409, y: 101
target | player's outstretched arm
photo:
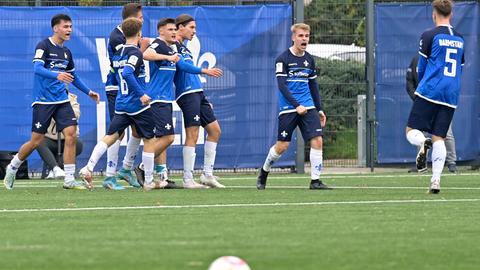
x: 78, y: 83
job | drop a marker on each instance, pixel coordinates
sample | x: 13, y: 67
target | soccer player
x: 412, y: 84
x: 54, y: 69
x: 300, y: 105
x: 197, y: 111
x: 164, y: 62
x: 131, y: 106
x: 439, y: 72
x: 115, y: 43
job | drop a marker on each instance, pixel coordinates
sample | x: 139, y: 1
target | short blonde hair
x: 302, y: 26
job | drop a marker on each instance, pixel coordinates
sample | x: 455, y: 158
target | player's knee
x: 281, y: 147
x: 317, y: 143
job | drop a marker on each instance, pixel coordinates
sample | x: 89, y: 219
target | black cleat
x: 171, y: 185
x: 422, y: 155
x: 452, y: 168
x: 262, y: 179
x: 317, y: 184
x: 140, y: 175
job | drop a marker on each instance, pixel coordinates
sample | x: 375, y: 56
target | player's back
x: 115, y: 43
x: 186, y: 83
x: 443, y: 48
x: 128, y: 100
x: 160, y: 87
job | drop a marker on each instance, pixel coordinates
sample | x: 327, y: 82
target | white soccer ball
x: 229, y: 263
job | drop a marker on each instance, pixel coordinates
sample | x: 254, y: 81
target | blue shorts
x: 196, y: 110
x: 430, y: 117
x: 143, y: 123
x: 162, y: 116
x: 111, y: 98
x: 309, y: 125
x: 43, y: 114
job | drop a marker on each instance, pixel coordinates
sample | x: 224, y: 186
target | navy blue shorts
x: 43, y: 114
x: 143, y: 123
x: 196, y: 110
x: 309, y: 125
x: 111, y: 98
x: 162, y: 116
x: 430, y: 117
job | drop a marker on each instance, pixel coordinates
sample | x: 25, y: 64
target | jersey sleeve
x: 280, y: 67
x: 135, y: 59
x: 40, y: 53
x: 425, y: 46
x: 71, y: 64
x: 313, y: 75
x: 116, y: 41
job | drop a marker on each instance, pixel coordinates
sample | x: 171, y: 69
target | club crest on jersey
x: 305, y: 63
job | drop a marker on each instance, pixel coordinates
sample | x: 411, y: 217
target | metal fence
x: 143, y: 2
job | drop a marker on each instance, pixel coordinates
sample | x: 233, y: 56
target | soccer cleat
x: 111, y: 183
x: 452, y: 168
x: 317, y: 184
x: 191, y: 184
x: 149, y: 186
x: 9, y: 178
x: 171, y: 185
x: 129, y: 177
x: 74, y: 185
x: 87, y: 178
x: 140, y: 175
x: 434, y: 187
x: 58, y: 173
x: 262, y: 179
x: 211, y: 181
x: 422, y: 155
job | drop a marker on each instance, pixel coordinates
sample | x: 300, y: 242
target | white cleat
x: 58, y: 173
x: 149, y: 186
x: 9, y: 178
x: 87, y: 177
x: 211, y: 181
x: 191, y: 184
x: 434, y: 187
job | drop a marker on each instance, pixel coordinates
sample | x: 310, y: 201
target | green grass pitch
x: 379, y: 221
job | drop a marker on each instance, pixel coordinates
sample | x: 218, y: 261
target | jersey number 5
x: 122, y: 83
x: 450, y: 60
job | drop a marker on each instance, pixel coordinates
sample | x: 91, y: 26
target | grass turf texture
x: 395, y: 229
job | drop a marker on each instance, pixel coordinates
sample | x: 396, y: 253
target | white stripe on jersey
x: 134, y: 113
x: 436, y: 102
x: 294, y: 110
x: 50, y: 103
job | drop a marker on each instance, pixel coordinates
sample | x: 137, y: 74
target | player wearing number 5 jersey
x: 439, y: 72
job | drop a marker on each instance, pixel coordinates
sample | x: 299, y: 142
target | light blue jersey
x: 186, y: 83
x: 160, y: 87
x: 440, y: 66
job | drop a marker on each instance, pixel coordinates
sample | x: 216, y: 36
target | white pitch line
x: 234, y: 205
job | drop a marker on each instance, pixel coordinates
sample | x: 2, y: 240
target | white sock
x: 97, y: 153
x: 272, y: 157
x: 439, y: 153
x: 15, y: 163
x: 148, y: 160
x: 316, y: 161
x: 69, y: 172
x: 416, y: 137
x: 209, y: 159
x: 188, y: 162
x: 112, y: 158
x: 131, y: 153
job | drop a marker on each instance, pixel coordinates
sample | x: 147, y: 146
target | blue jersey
x: 160, y: 87
x: 56, y: 59
x: 186, y: 83
x: 440, y: 65
x: 128, y: 101
x: 298, y: 70
x: 115, y: 42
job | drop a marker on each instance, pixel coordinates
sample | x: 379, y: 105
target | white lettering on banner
x: 179, y: 136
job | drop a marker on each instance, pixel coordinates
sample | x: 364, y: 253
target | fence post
x: 38, y: 3
x: 361, y: 130
x: 370, y: 140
